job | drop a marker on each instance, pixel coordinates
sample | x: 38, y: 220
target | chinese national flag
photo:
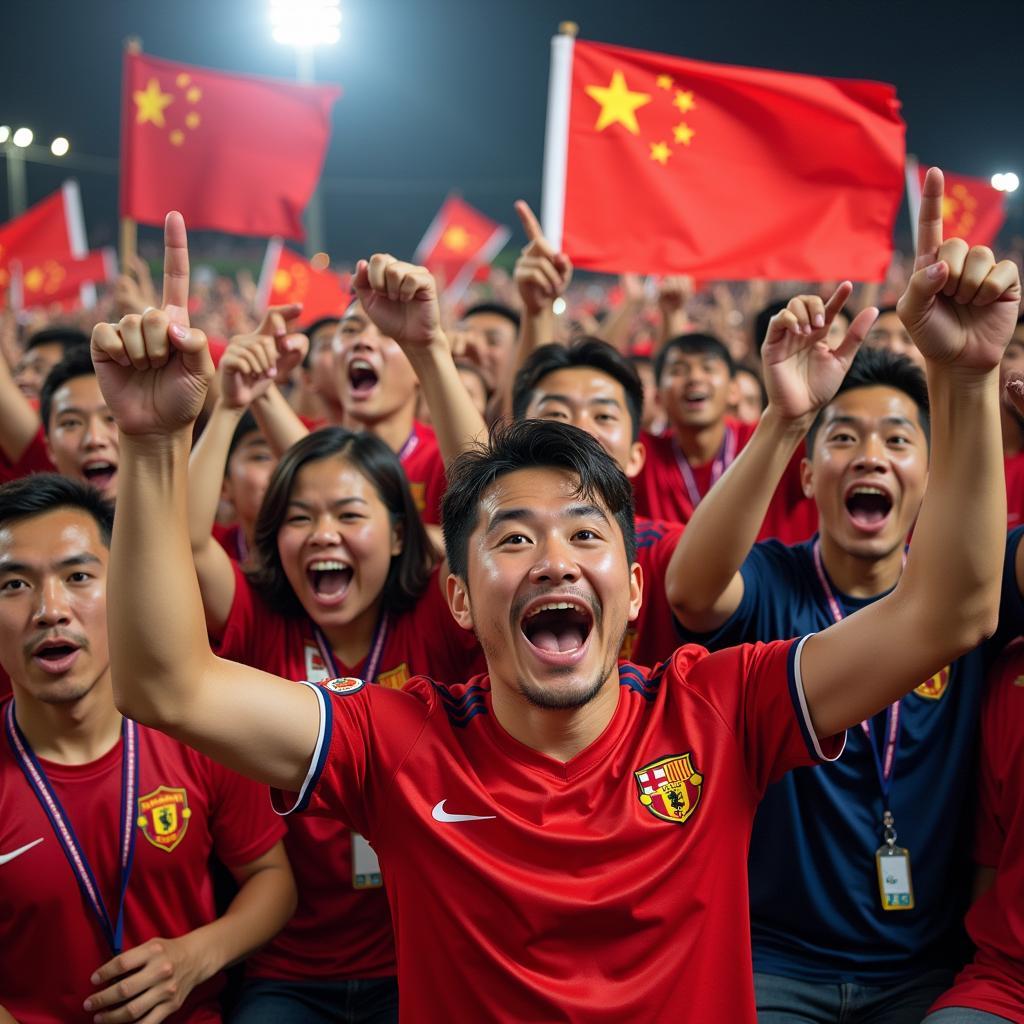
x: 44, y: 280
x: 459, y: 242
x: 233, y: 153
x: 971, y: 208
x: 672, y: 166
x: 287, y: 278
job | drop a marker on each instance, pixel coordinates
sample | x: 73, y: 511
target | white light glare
x: 304, y: 23
x: 558, y: 306
x: 1006, y: 182
x: 60, y: 146
x: 5, y: 133
x: 23, y: 137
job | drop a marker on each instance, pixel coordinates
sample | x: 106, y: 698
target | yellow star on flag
x: 684, y: 101
x: 456, y: 237
x: 150, y: 103
x: 660, y: 152
x: 949, y: 205
x: 683, y: 133
x: 282, y: 280
x: 34, y: 279
x: 665, y: 81
x: 618, y: 104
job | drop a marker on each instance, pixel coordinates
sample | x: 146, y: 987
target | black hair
x: 497, y: 308
x: 880, y: 368
x: 586, y: 352
x: 246, y: 425
x: 691, y: 345
x: 882, y: 310
x: 312, y: 329
x: 755, y: 372
x: 409, y: 573
x: 763, y: 319
x: 531, y: 444
x: 473, y: 368
x: 40, y: 493
x: 77, y: 362
x: 67, y: 337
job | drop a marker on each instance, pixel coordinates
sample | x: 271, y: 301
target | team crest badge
x: 670, y: 788
x: 347, y: 684
x: 163, y: 817
x: 316, y: 669
x: 934, y: 688
x: 395, y: 679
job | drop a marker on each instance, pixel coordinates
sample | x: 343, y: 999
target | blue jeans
x: 792, y: 1001
x: 358, y: 1001
x: 963, y: 1015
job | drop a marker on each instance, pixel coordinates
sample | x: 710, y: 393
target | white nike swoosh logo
x: 5, y: 857
x: 440, y: 814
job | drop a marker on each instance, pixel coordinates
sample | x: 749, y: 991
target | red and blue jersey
x: 651, y: 637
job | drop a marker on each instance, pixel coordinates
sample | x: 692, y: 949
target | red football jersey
x: 232, y: 540
x: 1014, y: 467
x: 51, y: 940
x: 661, y: 491
x: 609, y: 888
x: 34, y: 459
x: 342, y: 927
x: 424, y: 468
x: 994, y: 980
x: 652, y: 637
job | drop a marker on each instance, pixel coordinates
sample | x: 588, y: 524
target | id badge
x: 894, y: 883
x: 365, y: 866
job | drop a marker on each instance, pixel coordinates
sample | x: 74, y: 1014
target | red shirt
x: 50, y: 938
x: 424, y: 468
x: 232, y: 540
x: 34, y: 459
x: 338, y: 930
x: 994, y: 980
x: 1014, y: 467
x: 661, y: 490
x: 610, y: 888
x: 652, y: 637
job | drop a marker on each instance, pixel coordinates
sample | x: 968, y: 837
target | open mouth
x: 55, y: 656
x: 329, y: 580
x: 868, y: 507
x: 362, y: 377
x: 557, y: 627
x: 99, y: 474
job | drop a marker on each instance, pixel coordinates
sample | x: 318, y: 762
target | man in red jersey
x: 107, y: 828
x: 559, y: 839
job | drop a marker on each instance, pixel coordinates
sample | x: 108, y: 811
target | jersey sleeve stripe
x: 316, y: 762
x: 803, y: 714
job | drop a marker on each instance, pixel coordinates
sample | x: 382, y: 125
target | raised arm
x: 960, y: 308
x: 19, y: 422
x: 154, y: 372
x: 674, y: 292
x: 617, y: 327
x: 802, y: 374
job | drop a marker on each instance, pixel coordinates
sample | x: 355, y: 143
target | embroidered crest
x: 395, y: 679
x: 670, y: 788
x: 347, y: 684
x: 163, y: 817
x: 316, y: 669
x: 934, y: 688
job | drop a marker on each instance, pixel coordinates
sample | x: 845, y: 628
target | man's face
x: 494, y: 339
x: 695, y: 389
x: 249, y: 469
x: 749, y: 400
x: 652, y: 414
x: 869, y: 470
x: 594, y: 402
x: 53, y: 605
x: 33, y: 367
x: 549, y: 590
x: 889, y: 333
x: 373, y: 377
x: 81, y: 437
x: 321, y: 363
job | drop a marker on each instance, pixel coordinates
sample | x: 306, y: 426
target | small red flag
x: 43, y: 280
x: 656, y: 164
x: 287, y: 278
x: 233, y: 153
x: 459, y: 242
x: 971, y: 208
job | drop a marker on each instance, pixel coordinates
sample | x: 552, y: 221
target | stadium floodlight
x: 305, y: 23
x: 558, y: 306
x: 5, y: 133
x: 60, y: 146
x: 1005, y: 181
x: 22, y: 138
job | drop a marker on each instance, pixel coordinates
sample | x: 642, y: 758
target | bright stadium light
x: 1006, y: 181
x: 5, y: 133
x: 305, y: 23
x: 60, y: 146
x: 22, y: 137
x: 558, y: 306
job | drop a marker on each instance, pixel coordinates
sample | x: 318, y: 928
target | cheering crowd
x: 656, y: 662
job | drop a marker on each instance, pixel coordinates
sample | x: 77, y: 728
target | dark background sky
x: 450, y: 94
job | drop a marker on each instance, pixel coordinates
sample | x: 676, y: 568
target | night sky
x: 451, y: 94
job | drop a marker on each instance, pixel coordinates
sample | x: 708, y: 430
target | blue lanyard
x: 372, y: 663
x: 80, y: 867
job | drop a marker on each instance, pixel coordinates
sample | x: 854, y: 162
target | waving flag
x: 287, y: 277
x: 971, y: 208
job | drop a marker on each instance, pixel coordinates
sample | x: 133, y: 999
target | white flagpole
x: 556, y: 134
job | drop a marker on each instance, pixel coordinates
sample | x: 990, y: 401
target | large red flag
x: 661, y: 165
x: 459, y: 241
x: 287, y: 277
x: 971, y: 208
x: 233, y: 153
x: 43, y: 280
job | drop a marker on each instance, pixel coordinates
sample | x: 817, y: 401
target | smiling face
x: 53, y: 605
x: 373, y: 377
x: 868, y: 471
x: 34, y: 365
x: 336, y: 543
x: 695, y: 388
x: 494, y: 339
x: 549, y: 590
x: 81, y: 437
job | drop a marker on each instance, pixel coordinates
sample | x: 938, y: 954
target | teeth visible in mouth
x: 869, y: 490
x: 329, y: 577
x: 95, y: 469
x: 328, y: 566
x: 548, y: 628
x: 554, y: 606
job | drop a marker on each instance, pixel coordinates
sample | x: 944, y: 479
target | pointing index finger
x: 530, y: 223
x: 929, y: 219
x: 175, y: 262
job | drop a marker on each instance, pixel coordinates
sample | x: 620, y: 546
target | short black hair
x: 755, y: 372
x: 694, y: 344
x: 67, y: 337
x: 246, y: 425
x: 763, y: 319
x: 312, y: 329
x: 591, y: 353
x: 77, y: 362
x: 409, y: 572
x: 497, y: 308
x: 40, y: 493
x: 880, y: 368
x: 531, y: 444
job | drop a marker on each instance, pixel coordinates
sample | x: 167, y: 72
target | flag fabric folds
x: 971, y: 208
x: 459, y: 242
x: 658, y: 164
x: 233, y: 153
x: 44, y: 280
x: 286, y: 277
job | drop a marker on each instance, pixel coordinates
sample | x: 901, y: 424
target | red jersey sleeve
x: 34, y: 459
x: 247, y: 619
x: 757, y: 691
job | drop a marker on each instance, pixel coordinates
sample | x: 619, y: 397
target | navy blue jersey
x: 815, y: 906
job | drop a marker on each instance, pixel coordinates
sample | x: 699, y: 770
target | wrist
x: 796, y: 426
